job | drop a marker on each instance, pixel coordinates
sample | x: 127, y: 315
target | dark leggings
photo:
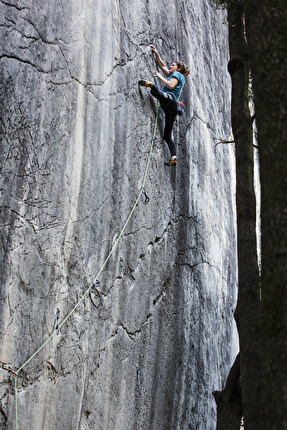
x: 169, y: 106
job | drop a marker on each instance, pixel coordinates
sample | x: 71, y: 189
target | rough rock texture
x: 147, y: 347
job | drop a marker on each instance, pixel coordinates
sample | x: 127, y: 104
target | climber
x: 168, y: 96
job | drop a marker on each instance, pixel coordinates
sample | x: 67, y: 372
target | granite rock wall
x: 147, y: 346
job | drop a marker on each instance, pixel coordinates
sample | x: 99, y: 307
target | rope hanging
x: 95, y: 281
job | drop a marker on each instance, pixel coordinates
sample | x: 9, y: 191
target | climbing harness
x: 95, y: 283
x: 180, y: 108
x: 179, y: 105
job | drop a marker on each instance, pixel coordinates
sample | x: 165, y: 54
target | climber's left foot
x: 143, y: 83
x: 171, y: 162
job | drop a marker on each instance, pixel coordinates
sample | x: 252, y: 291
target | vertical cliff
x: 146, y: 347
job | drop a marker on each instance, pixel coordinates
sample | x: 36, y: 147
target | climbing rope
x: 95, y: 282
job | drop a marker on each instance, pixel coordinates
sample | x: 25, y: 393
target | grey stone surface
x: 147, y: 348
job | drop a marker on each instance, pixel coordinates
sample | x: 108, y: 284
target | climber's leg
x: 169, y: 121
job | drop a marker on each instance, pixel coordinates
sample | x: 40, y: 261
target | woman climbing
x: 168, y: 96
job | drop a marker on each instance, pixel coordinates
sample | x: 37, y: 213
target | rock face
x: 146, y: 348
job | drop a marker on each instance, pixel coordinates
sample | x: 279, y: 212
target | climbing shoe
x: 143, y: 83
x: 171, y: 162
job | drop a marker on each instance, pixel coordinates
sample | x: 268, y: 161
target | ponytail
x: 182, y: 68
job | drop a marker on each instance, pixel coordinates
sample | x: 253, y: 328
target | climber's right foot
x: 143, y: 83
x: 171, y: 162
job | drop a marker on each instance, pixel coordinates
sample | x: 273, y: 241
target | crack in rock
x: 130, y: 334
x: 14, y: 5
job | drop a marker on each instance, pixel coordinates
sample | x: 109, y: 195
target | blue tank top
x: 178, y: 88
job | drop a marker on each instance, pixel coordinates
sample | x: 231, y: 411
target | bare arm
x: 171, y: 84
x: 159, y: 61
